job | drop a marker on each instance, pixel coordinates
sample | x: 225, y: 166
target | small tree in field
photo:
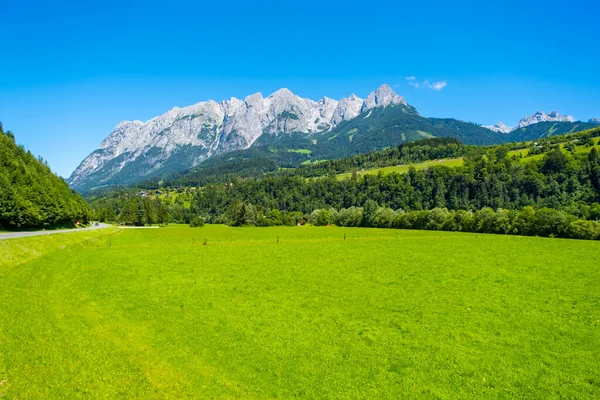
x: 197, y: 222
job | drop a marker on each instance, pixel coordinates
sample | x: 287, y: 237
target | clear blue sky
x: 71, y: 70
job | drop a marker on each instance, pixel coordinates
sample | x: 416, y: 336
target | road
x: 14, y: 235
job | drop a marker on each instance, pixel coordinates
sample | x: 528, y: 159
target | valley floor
x: 298, y: 312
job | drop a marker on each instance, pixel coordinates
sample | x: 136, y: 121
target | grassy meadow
x: 402, y: 169
x: 312, y: 312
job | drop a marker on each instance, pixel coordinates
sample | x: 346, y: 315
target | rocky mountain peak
x: 541, y: 116
x: 500, y: 127
x: 382, y: 97
x: 282, y: 93
x: 253, y: 99
x: 212, y: 127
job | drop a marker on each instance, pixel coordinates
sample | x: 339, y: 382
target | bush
x: 385, y: 217
x: 584, y: 230
x: 197, y: 222
x: 352, y: 216
x: 320, y: 217
x: 549, y: 221
x: 462, y: 221
x: 437, y: 219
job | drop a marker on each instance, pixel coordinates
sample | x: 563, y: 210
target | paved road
x: 14, y: 235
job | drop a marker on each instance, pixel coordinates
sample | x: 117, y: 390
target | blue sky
x: 72, y: 70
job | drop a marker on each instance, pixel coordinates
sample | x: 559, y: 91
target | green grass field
x: 578, y: 150
x: 155, y: 313
x: 402, y: 169
x: 301, y: 151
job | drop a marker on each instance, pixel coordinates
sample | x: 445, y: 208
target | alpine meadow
x: 316, y: 200
x: 313, y: 312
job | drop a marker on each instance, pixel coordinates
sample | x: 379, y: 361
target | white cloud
x: 437, y: 86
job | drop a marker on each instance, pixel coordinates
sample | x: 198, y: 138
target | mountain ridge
x: 216, y: 128
x: 184, y: 137
x: 535, y: 118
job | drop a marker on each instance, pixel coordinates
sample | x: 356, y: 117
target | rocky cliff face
x: 191, y: 134
x: 184, y: 137
x: 540, y: 116
x: 500, y: 127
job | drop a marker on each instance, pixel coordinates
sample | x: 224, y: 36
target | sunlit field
x: 313, y: 312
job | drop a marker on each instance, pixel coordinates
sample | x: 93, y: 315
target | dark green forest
x: 560, y: 188
x: 31, y: 196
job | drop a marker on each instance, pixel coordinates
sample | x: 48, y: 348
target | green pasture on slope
x: 222, y: 312
x: 457, y: 162
x: 402, y: 169
x: 586, y: 149
x: 300, y: 151
x: 578, y: 150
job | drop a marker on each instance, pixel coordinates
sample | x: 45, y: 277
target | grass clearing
x: 586, y: 149
x: 578, y: 150
x: 382, y: 314
x: 300, y: 151
x: 402, y: 169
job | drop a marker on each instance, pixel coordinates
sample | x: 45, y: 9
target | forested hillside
x: 31, y: 196
x: 548, y: 129
x: 560, y: 174
x: 261, y: 161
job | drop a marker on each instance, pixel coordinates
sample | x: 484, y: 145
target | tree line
x: 564, y: 181
x: 31, y: 196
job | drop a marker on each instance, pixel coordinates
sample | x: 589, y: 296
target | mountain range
x: 284, y: 127
x: 538, y: 117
